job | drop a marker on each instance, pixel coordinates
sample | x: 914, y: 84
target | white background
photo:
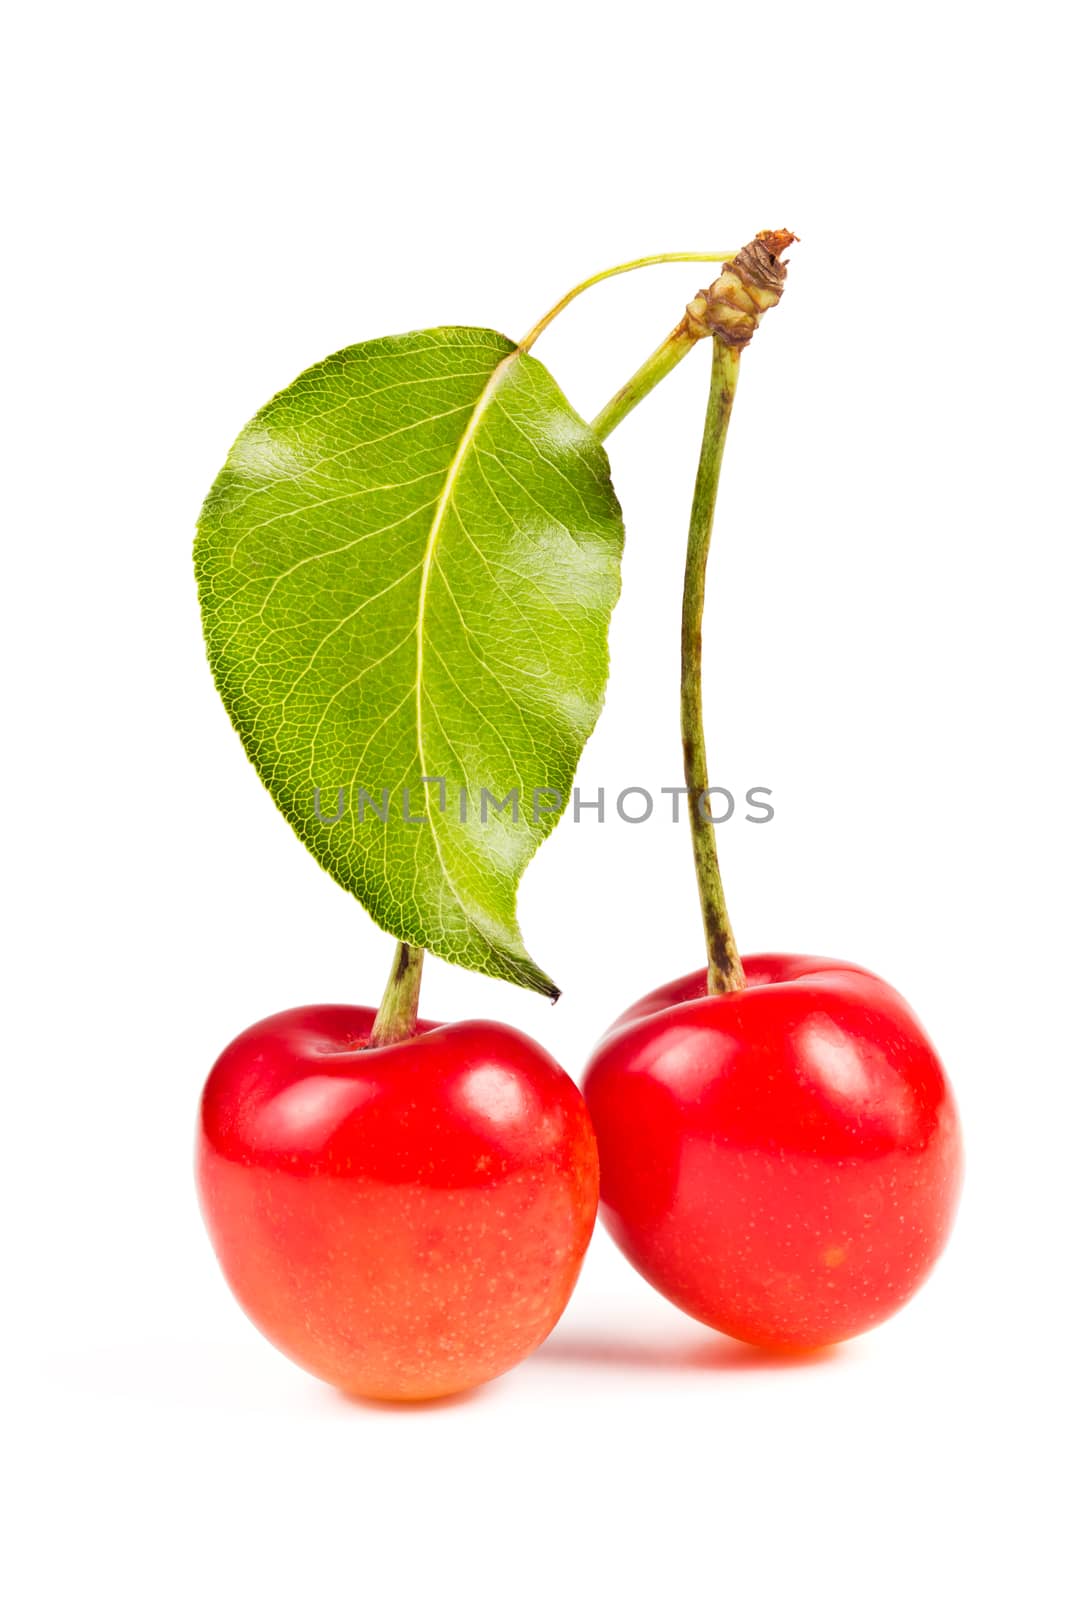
x: 206, y: 199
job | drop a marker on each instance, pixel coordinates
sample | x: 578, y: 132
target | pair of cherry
x: 408, y: 1220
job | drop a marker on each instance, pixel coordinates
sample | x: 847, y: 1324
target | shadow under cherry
x: 711, y: 1353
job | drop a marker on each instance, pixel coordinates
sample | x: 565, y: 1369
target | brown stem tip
x: 747, y: 287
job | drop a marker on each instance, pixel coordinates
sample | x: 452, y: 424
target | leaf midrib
x: 437, y: 521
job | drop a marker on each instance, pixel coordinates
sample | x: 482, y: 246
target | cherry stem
x: 662, y: 361
x: 396, y: 1019
x: 724, y: 964
x: 728, y: 311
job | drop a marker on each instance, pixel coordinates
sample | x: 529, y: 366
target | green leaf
x: 407, y: 568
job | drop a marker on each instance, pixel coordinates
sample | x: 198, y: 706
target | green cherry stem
x: 396, y: 1018
x: 663, y: 360
x: 724, y: 964
x: 729, y: 311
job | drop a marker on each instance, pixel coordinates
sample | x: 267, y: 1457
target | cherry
x: 782, y: 1161
x: 779, y: 1146
x: 404, y: 1220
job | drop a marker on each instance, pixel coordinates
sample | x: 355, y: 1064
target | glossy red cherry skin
x: 405, y: 1221
x: 784, y: 1162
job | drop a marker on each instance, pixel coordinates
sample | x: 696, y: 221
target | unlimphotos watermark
x: 633, y: 804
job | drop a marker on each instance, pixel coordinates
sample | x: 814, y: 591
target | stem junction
x: 730, y: 309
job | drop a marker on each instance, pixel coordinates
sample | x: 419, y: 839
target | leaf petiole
x: 613, y: 272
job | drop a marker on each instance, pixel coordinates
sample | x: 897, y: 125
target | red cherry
x: 784, y: 1161
x: 404, y: 1221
